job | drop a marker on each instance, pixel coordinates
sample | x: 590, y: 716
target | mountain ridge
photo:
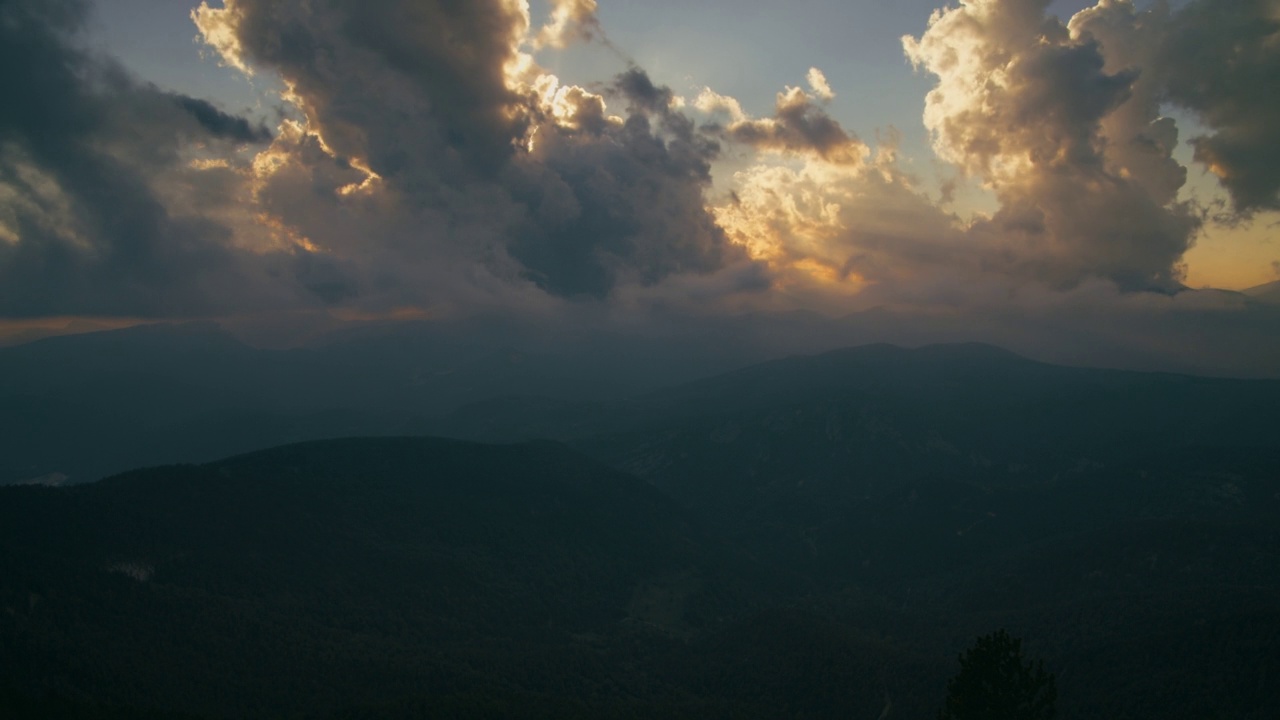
x: 411, y: 577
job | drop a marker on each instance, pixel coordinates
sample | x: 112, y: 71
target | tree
x: 995, y: 683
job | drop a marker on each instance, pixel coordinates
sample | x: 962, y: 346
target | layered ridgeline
x: 76, y: 408
x: 831, y: 458
x: 378, y: 573
x: 812, y: 537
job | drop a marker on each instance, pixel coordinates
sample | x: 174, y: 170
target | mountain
x: 418, y: 577
x: 1267, y: 293
x: 962, y: 482
x: 89, y: 405
x: 816, y: 536
x: 424, y: 578
x: 301, y: 579
x: 810, y: 440
x: 84, y: 406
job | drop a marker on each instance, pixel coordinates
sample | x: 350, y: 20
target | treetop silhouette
x: 996, y: 683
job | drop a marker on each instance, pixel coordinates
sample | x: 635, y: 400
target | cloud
x: 1221, y: 59
x: 799, y: 127
x: 221, y: 124
x: 570, y: 20
x: 621, y: 205
x: 101, y: 213
x: 818, y: 83
x: 1068, y: 137
x: 1212, y: 58
x: 478, y: 155
x: 1063, y: 123
x: 1023, y: 103
x: 711, y: 102
x: 1138, y: 141
x: 370, y: 77
x: 426, y: 164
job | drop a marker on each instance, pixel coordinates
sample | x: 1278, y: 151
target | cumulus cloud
x: 799, y: 127
x: 1139, y: 141
x: 711, y: 102
x: 1221, y: 59
x: 475, y: 153
x: 619, y: 203
x: 1211, y: 59
x: 818, y: 83
x: 1069, y: 140
x: 1023, y: 102
x: 1063, y: 123
x: 100, y: 210
x: 836, y: 231
x: 427, y: 162
x: 221, y: 124
x: 570, y: 20
x: 370, y: 76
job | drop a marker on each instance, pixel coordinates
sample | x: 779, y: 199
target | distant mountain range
x: 816, y: 536
x: 1268, y: 292
x: 795, y: 457
x: 297, y: 580
x: 76, y: 408
x: 89, y: 405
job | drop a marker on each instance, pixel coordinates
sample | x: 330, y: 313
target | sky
x: 166, y: 160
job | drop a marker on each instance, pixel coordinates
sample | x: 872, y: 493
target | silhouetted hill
x: 84, y: 406
x: 76, y: 408
x: 966, y: 487
x: 816, y: 537
x: 788, y: 453
x: 314, y: 576
x: 404, y: 578
x: 1267, y: 293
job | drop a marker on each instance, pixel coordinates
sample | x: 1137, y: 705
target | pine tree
x: 995, y: 683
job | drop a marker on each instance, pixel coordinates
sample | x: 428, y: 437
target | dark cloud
x: 221, y: 124
x: 532, y: 182
x: 639, y: 89
x: 1222, y: 59
x: 623, y: 206
x: 81, y: 143
x: 404, y: 85
x: 799, y: 126
x: 1215, y: 58
x: 428, y: 166
x: 689, y: 150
